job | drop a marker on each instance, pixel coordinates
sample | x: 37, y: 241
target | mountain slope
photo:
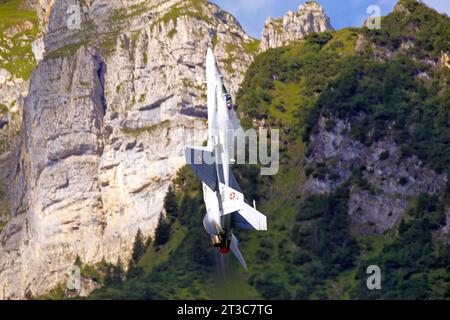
x: 99, y: 141
x: 354, y: 106
x: 18, y: 29
x: 373, y: 148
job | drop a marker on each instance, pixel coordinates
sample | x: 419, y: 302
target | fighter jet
x: 226, y: 209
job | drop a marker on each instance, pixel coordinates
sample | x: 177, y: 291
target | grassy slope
x: 289, y: 99
x: 394, y: 98
x: 262, y: 98
x: 16, y: 53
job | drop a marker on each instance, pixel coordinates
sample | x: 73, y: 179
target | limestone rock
x: 38, y: 47
x: 294, y: 26
x: 388, y: 181
x: 102, y: 130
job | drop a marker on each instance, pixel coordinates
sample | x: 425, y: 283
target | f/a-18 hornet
x: 226, y: 209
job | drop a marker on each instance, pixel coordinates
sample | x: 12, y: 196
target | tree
x: 118, y: 273
x: 170, y: 204
x: 162, y: 232
x: 114, y: 274
x: 148, y: 243
x: 138, y: 250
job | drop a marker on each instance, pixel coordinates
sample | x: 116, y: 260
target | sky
x: 343, y: 13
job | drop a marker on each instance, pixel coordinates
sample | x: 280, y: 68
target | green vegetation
x: 162, y: 232
x: 4, y: 144
x: 4, y: 203
x: 3, y: 109
x: 291, y: 87
x: 182, y: 267
x: 283, y: 84
x: 58, y: 293
x: 428, y: 30
x: 215, y: 40
x: 172, y: 33
x: 139, y: 247
x: 2, y: 225
x: 386, y: 99
x: 66, y: 51
x: 18, y: 29
x: 252, y: 47
x: 311, y: 250
x: 193, y: 8
x: 153, y: 128
x: 106, y: 41
x: 414, y: 266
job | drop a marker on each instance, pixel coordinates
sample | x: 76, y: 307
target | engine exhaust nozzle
x: 216, y: 240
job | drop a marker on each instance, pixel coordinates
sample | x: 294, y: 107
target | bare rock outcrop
x: 294, y: 26
x: 382, y: 181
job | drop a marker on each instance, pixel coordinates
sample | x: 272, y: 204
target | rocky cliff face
x: 310, y: 18
x: 382, y: 181
x: 102, y: 125
x: 16, y: 63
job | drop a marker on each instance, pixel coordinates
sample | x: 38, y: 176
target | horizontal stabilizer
x: 199, y: 158
x: 248, y: 218
x: 232, y: 200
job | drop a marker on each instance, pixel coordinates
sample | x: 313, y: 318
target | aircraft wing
x: 195, y: 157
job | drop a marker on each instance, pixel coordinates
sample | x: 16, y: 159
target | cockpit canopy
x: 229, y: 101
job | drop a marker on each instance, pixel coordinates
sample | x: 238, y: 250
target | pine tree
x: 139, y: 247
x: 162, y: 232
x: 148, y: 243
x: 118, y: 272
x: 138, y: 250
x: 114, y: 274
x: 170, y: 204
x: 108, y: 271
